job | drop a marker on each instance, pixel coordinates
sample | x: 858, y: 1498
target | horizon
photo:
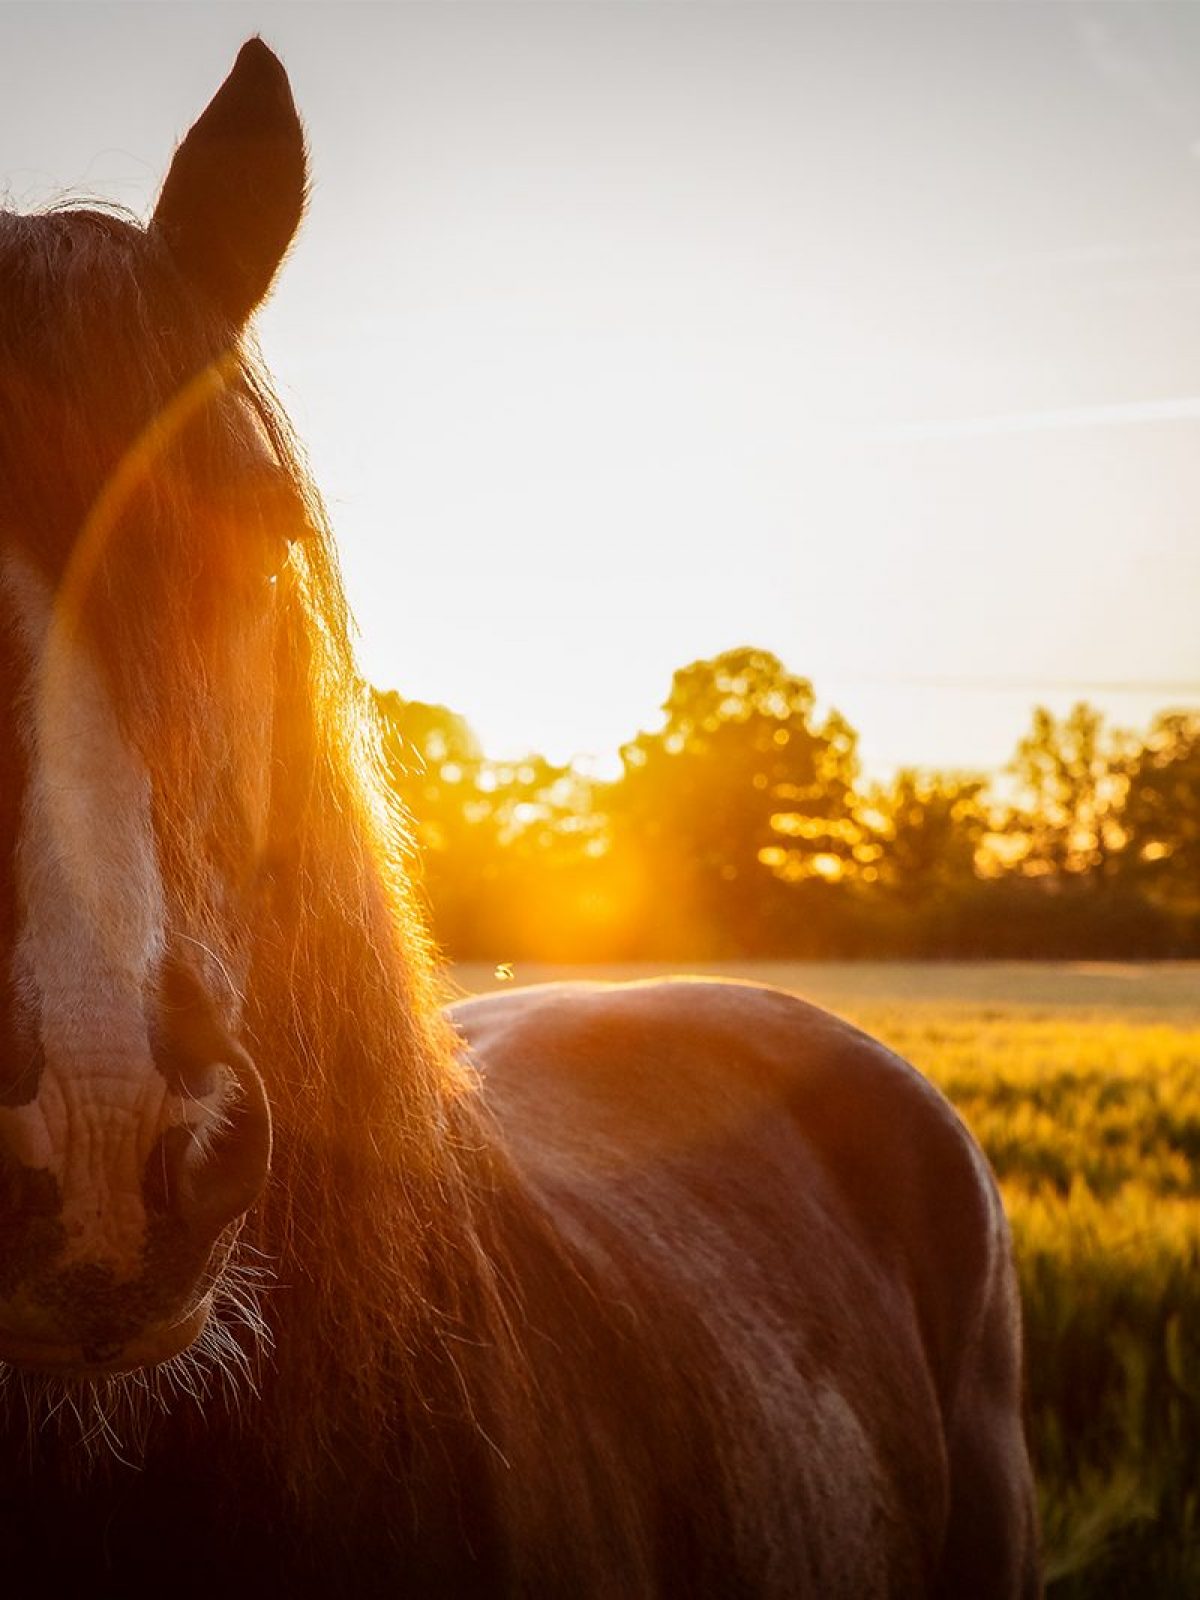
x: 869, y: 338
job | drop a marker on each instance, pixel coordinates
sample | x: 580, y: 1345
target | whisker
x: 112, y: 1417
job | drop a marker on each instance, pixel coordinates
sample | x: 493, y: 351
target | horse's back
x: 817, y: 1235
x: 725, y: 1089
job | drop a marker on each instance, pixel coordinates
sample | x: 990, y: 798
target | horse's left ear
x: 233, y: 198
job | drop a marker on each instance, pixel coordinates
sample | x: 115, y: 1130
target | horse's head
x: 147, y: 508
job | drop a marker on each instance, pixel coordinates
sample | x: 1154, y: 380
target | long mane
x: 371, y: 1225
x: 382, y: 1162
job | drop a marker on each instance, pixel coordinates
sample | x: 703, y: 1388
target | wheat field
x: 1082, y: 1082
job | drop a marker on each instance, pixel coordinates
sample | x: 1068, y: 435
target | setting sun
x: 619, y: 338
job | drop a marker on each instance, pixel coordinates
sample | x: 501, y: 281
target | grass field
x: 1082, y: 1082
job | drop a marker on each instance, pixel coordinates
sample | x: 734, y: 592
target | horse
x: 308, y: 1285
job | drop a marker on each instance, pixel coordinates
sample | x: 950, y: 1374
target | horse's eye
x: 283, y: 522
x: 259, y: 519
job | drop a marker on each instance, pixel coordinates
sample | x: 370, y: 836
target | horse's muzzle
x: 137, y: 1291
x: 88, y: 1360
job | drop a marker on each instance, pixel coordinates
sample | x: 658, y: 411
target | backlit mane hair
x: 371, y: 1224
x: 362, y: 1068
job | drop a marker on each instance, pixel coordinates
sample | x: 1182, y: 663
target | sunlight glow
x: 620, y: 336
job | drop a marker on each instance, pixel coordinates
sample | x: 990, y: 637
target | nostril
x: 208, y: 1173
x: 220, y: 1177
x: 208, y: 1176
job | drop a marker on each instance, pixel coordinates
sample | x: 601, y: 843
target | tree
x: 1161, y: 813
x: 506, y: 849
x: 1071, y: 777
x: 927, y: 830
x: 434, y: 763
x: 737, y: 796
x: 736, y: 828
x: 435, y: 766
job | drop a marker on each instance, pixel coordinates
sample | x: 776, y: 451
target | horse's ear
x: 235, y: 193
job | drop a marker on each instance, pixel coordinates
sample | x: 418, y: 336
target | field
x: 1083, y: 1084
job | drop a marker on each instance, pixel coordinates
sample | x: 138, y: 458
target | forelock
x: 96, y: 330
x: 99, y: 338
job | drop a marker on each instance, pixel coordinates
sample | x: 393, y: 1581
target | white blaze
x: 91, y: 931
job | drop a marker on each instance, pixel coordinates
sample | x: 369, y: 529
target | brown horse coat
x: 810, y: 1359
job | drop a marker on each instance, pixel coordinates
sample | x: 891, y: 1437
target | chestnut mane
x: 370, y: 1228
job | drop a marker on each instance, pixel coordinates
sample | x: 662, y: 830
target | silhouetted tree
x: 1071, y: 778
x: 1161, y: 813
x: 927, y: 831
x: 736, y: 827
x: 434, y: 763
x: 737, y: 797
x: 437, y: 771
x: 506, y: 848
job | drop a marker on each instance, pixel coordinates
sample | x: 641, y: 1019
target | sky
x: 620, y: 334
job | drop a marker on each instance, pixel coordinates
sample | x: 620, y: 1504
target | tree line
x: 741, y: 826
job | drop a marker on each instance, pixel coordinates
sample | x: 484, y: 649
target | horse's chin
x: 150, y: 1349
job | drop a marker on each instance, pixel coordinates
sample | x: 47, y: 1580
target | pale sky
x: 620, y: 334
